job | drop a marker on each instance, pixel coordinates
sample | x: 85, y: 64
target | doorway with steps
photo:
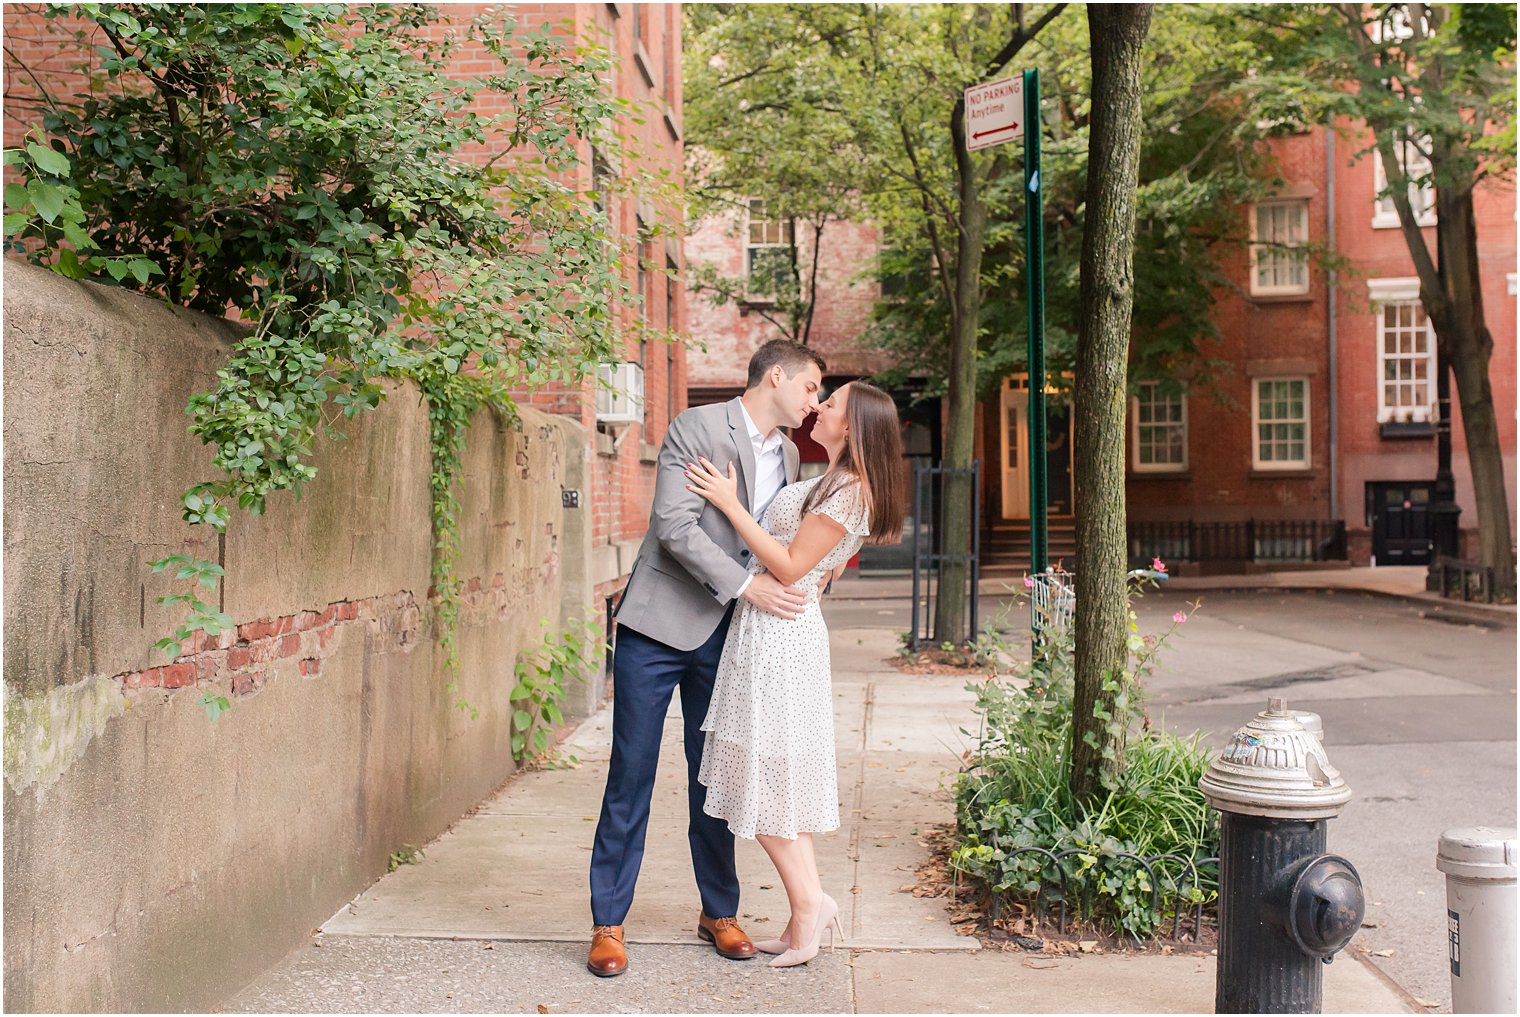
x: 1006, y: 549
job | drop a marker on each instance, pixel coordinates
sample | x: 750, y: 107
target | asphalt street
x: 1419, y: 718
x: 1419, y: 715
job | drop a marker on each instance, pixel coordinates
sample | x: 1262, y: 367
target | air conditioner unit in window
x: 620, y: 394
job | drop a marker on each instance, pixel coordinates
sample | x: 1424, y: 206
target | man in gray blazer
x: 672, y: 620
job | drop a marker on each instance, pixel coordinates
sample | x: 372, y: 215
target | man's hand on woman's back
x: 766, y: 592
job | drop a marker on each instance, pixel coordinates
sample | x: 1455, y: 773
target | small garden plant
x: 1014, y: 798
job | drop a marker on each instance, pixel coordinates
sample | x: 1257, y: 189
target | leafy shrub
x: 541, y: 679
x: 1015, y: 798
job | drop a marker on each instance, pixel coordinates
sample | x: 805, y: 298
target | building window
x: 1279, y: 230
x: 641, y: 250
x: 670, y: 342
x: 1280, y: 416
x: 1406, y: 363
x: 1158, y: 430
x: 601, y: 187
x: 1422, y: 189
x: 767, y: 255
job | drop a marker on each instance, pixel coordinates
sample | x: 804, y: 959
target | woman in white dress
x: 768, y: 763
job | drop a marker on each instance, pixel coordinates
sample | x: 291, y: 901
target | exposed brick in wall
x: 255, y: 652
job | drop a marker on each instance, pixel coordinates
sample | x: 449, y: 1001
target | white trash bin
x: 1479, y: 862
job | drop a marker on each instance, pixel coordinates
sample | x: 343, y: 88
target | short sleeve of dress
x: 846, y: 507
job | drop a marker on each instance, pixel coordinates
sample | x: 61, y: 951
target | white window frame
x: 1383, y: 293
x: 1256, y: 424
x: 1258, y: 251
x: 1153, y: 391
x: 1422, y: 197
x: 780, y: 229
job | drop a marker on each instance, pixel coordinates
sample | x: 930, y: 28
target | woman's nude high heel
x: 828, y: 916
x: 773, y: 946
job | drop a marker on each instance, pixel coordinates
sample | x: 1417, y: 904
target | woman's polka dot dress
x: 768, y: 764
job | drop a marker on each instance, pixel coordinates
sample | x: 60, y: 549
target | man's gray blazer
x: 692, y: 562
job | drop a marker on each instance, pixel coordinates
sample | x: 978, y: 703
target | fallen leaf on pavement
x: 906, y: 889
x: 542, y: 1008
x: 489, y: 946
x: 1088, y: 945
x: 1428, y: 1002
x: 855, y: 888
x: 1381, y: 953
x: 1369, y: 925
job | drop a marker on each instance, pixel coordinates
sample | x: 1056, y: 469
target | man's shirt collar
x: 765, y: 443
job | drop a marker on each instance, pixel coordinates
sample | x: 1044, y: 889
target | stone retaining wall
x: 158, y: 860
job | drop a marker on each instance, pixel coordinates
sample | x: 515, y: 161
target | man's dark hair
x: 792, y: 356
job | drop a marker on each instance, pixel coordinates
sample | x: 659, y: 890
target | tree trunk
x: 1461, y: 330
x: 1107, y: 294
x: 960, y: 425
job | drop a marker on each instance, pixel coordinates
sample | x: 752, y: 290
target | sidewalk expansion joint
x: 859, y: 802
x: 481, y: 936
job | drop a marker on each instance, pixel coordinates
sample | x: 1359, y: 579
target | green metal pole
x: 1034, y: 274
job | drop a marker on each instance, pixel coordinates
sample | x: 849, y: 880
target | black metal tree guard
x: 928, y: 556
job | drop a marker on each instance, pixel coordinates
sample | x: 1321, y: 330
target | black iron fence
x: 1462, y: 580
x: 929, y: 556
x: 1173, y: 881
x: 1250, y: 540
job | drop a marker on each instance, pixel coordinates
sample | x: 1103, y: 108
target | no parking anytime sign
x: 994, y: 113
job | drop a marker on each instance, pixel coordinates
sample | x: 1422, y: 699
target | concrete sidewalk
x: 495, y: 917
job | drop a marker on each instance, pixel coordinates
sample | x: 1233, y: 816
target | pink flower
x: 1179, y: 617
x: 1028, y: 583
x: 1157, y: 565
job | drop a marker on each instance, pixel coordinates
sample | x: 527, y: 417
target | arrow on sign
x: 995, y: 130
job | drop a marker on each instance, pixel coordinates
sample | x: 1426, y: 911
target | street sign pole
x: 993, y: 118
x: 1034, y: 274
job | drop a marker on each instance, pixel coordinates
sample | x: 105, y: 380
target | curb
x: 1486, y: 616
x: 1405, y: 997
x: 1494, y: 617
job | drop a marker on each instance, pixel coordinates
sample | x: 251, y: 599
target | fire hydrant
x: 1285, y: 906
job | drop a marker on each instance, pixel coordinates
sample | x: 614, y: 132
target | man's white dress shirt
x: 770, y: 471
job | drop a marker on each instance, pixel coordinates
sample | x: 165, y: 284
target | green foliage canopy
x: 1203, y: 156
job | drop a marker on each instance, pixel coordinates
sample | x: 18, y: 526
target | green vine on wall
x: 318, y: 168
x: 541, y: 679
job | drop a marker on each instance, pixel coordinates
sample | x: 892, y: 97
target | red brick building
x: 645, y: 41
x: 1322, y: 415
x: 1329, y: 402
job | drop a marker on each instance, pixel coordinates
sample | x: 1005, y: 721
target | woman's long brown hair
x: 872, y: 455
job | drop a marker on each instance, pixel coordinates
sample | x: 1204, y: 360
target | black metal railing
x: 1172, y: 879
x: 929, y: 557
x: 1250, y: 540
x: 1456, y: 579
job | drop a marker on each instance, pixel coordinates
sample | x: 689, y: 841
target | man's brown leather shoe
x: 608, y: 955
x: 725, y: 936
